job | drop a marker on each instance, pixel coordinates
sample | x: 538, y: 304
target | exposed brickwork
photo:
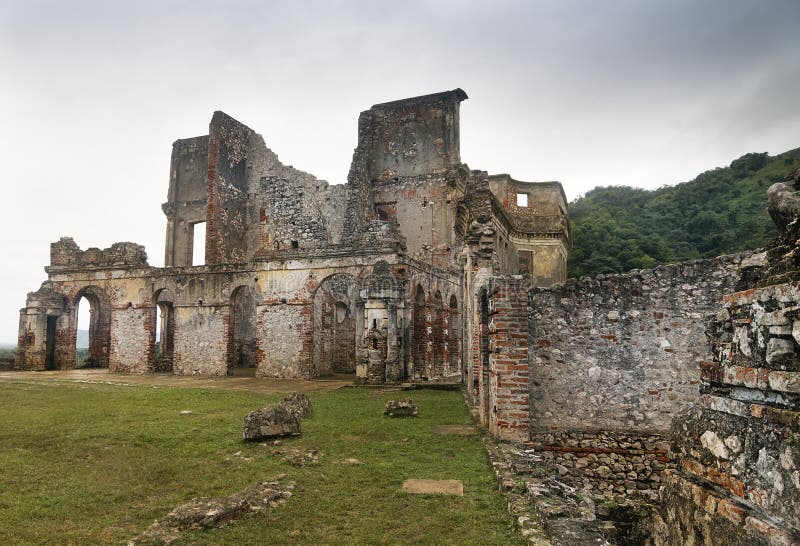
x: 509, y: 403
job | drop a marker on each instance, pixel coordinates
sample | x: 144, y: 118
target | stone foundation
x: 607, y: 464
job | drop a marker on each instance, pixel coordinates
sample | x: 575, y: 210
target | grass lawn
x: 91, y: 463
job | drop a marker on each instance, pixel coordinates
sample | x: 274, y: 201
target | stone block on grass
x: 405, y: 407
x: 270, y: 422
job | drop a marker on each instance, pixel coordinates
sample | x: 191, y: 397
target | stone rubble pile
x: 282, y: 419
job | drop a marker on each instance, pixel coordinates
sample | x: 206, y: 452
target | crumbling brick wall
x: 508, y: 375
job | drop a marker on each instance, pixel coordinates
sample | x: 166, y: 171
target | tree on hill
x: 619, y: 228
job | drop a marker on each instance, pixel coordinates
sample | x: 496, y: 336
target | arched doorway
x: 484, y: 360
x: 334, y: 335
x: 419, y: 334
x: 164, y: 331
x: 439, y: 340
x: 92, y: 328
x: 454, y: 338
x: 242, y: 333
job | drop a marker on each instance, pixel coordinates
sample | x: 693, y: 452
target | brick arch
x: 437, y: 313
x: 334, y: 325
x: 453, y: 365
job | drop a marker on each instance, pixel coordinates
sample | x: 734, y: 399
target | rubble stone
x: 270, y: 422
x: 404, y: 407
x: 299, y: 404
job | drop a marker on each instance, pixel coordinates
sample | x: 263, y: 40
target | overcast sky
x: 643, y: 93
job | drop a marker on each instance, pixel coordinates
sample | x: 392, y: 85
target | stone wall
x: 623, y: 352
x: 186, y: 198
x: 413, y: 136
x: 607, y: 463
x: 613, y: 360
x: 738, y: 479
x: 67, y: 254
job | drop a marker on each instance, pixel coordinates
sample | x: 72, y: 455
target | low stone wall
x: 608, y: 464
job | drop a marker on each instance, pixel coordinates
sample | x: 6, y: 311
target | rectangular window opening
x: 522, y: 199
x: 199, y: 243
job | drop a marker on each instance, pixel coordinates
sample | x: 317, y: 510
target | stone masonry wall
x: 607, y: 463
x: 280, y: 336
x: 738, y: 479
x: 202, y: 342
x: 623, y: 352
x: 613, y: 359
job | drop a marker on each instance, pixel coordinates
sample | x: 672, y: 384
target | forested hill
x: 619, y: 228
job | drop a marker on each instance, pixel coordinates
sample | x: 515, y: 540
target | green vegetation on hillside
x: 97, y: 464
x: 619, y: 228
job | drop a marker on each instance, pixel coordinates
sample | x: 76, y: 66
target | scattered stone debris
x: 239, y: 455
x: 270, y: 422
x: 434, y: 487
x: 405, y: 407
x: 549, y: 509
x: 455, y: 430
x: 281, y: 419
x: 298, y: 457
x: 210, y: 512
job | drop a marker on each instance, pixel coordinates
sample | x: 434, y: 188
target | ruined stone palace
x: 302, y: 279
x: 678, y: 385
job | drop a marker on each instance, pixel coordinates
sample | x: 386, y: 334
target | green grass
x: 87, y: 464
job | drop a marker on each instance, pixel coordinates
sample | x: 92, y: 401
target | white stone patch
x: 777, y: 348
x: 712, y: 442
x: 744, y: 341
x: 734, y: 443
x: 786, y: 459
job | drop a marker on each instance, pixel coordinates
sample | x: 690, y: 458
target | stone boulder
x: 783, y: 205
x: 404, y: 407
x: 299, y: 404
x: 270, y: 422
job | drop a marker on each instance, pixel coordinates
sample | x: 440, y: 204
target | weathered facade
x: 675, y: 389
x: 301, y: 278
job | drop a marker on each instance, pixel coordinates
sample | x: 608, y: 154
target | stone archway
x: 99, y: 331
x: 164, y: 331
x: 419, y: 334
x: 242, y: 332
x: 334, y: 325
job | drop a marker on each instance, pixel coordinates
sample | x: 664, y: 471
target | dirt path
x: 251, y: 384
